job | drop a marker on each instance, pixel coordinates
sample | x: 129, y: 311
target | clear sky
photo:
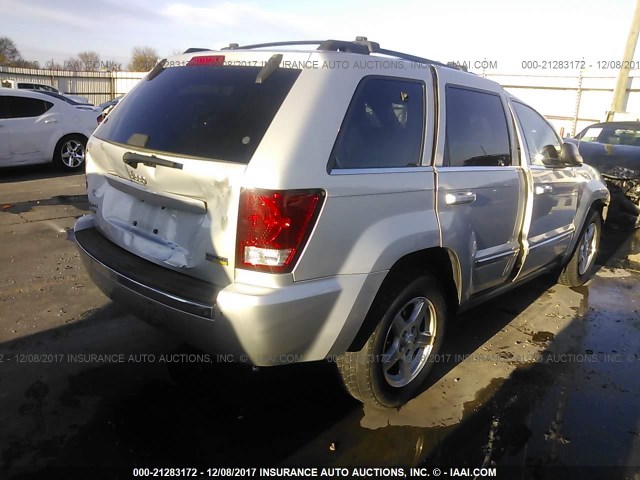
x: 507, y: 32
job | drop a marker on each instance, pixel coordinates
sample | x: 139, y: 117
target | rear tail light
x: 273, y: 227
x: 206, y: 60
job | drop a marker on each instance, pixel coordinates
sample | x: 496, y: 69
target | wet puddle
x: 79, y: 201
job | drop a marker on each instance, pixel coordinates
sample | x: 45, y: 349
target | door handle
x: 51, y: 120
x: 459, y: 198
x: 544, y: 189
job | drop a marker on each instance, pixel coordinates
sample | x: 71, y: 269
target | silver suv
x: 283, y: 205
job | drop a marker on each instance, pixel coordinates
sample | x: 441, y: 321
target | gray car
x: 279, y: 205
x: 613, y: 148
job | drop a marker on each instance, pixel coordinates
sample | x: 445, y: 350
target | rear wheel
x: 70, y: 152
x: 583, y: 261
x: 398, y: 356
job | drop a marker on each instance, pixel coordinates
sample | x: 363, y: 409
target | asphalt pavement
x: 542, y: 382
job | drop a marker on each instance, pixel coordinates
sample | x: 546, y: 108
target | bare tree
x: 143, y: 59
x: 26, y: 64
x: 73, y: 63
x: 9, y: 54
x: 56, y: 66
x: 90, y: 60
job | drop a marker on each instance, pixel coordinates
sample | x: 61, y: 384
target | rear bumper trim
x: 147, y: 279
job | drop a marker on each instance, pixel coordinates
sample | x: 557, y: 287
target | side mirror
x: 570, y: 155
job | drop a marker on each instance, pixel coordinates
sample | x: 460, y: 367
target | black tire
x: 363, y: 372
x: 70, y: 153
x: 576, y: 273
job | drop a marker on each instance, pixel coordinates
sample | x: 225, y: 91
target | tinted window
x: 612, y: 135
x: 36, y: 86
x: 4, y: 109
x: 541, y: 140
x: 627, y: 136
x: 201, y: 111
x: 477, y: 133
x: 22, y: 107
x: 383, y: 126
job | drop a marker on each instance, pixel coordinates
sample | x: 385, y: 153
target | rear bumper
x: 126, y: 270
x: 265, y: 326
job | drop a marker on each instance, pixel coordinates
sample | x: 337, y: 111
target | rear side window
x: 612, y: 135
x: 22, y: 107
x: 476, y: 129
x: 213, y: 112
x: 542, y: 142
x: 383, y: 126
x: 627, y: 136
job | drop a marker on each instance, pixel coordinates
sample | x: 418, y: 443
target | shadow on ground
x: 78, y: 201
x: 32, y: 172
x: 192, y: 410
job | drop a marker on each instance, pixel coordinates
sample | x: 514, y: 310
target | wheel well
x: 63, y: 138
x: 440, y: 262
x: 598, y: 206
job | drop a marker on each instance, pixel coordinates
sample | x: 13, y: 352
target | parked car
x: 64, y: 98
x: 41, y: 87
x: 110, y: 103
x: 40, y: 128
x: 269, y: 205
x: 614, y: 149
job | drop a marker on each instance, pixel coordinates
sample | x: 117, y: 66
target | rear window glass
x: 200, y: 111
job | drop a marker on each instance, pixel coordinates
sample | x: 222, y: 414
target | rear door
x: 480, y: 186
x: 34, y: 126
x: 164, y: 167
x: 555, y: 192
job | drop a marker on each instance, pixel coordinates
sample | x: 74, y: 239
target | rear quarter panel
x: 370, y: 218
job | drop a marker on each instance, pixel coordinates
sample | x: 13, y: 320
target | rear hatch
x: 164, y: 168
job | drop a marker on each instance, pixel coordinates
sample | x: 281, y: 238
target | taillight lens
x: 273, y: 227
x: 203, y: 60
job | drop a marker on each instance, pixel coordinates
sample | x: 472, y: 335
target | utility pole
x: 620, y: 95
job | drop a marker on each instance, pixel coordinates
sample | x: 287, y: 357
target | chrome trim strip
x: 480, y: 169
x: 559, y: 237
x: 366, y: 171
x: 542, y: 168
x: 497, y: 256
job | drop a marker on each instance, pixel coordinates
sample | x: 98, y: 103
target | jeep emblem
x: 137, y: 178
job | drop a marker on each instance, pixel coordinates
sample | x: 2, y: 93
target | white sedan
x: 39, y: 128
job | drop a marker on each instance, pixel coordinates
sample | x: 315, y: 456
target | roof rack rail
x: 360, y: 46
x: 235, y: 46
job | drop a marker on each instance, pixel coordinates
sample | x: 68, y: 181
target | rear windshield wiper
x: 133, y: 159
